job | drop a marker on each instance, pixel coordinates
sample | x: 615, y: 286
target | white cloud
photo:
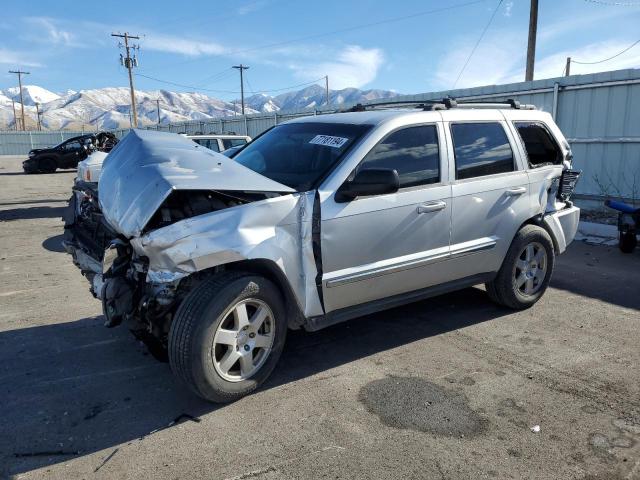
x: 18, y: 59
x: 251, y: 7
x: 553, y: 65
x: 508, y: 6
x: 181, y: 45
x: 354, y: 66
x: 53, y: 34
x: 494, y: 60
x: 501, y: 60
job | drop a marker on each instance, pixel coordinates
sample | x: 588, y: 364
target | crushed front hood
x: 145, y: 166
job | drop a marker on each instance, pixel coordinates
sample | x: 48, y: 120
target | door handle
x: 514, y: 192
x: 431, y: 207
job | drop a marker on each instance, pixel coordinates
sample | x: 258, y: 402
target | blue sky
x: 67, y: 44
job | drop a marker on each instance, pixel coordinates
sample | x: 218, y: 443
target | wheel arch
x: 270, y: 270
x: 538, y: 220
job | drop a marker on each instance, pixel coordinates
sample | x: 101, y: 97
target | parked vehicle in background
x: 220, y: 143
x: 323, y: 219
x: 628, y: 224
x: 68, y: 153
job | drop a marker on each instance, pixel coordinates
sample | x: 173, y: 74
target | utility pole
x: 15, y: 118
x: 158, y: 108
x: 567, y: 69
x: 531, y: 45
x: 326, y: 84
x: 38, y: 116
x: 130, y: 63
x: 20, y: 73
x: 241, y: 68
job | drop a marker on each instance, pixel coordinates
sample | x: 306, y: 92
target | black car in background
x: 68, y: 153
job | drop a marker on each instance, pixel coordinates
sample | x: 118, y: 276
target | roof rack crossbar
x: 446, y: 103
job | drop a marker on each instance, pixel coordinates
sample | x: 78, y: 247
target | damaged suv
x: 322, y: 219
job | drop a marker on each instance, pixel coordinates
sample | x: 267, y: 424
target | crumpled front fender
x: 276, y: 229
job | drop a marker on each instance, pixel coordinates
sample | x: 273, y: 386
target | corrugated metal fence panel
x: 19, y: 143
x: 599, y: 114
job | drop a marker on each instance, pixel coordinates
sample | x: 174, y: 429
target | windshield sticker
x: 329, y: 141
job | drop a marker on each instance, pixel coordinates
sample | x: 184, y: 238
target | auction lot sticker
x: 329, y: 141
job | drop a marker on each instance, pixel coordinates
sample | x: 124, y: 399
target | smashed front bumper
x: 86, y: 234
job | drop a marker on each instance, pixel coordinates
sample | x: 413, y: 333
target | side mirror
x: 371, y: 181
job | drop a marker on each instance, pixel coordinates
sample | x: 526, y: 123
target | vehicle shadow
x: 599, y: 272
x: 26, y: 213
x: 57, y: 172
x: 75, y: 388
x: 54, y: 244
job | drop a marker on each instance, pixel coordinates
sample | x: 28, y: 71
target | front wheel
x: 526, y: 270
x: 227, y: 336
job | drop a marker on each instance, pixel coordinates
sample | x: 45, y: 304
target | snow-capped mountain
x: 314, y: 96
x: 109, y: 108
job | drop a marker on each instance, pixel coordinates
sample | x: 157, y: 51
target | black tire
x: 191, y: 352
x: 503, y: 289
x: 627, y: 242
x: 47, y: 165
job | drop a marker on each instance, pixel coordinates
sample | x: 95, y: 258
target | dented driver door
x: 378, y: 246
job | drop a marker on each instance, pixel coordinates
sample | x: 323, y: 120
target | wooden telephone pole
x: 531, y: 45
x: 20, y: 73
x: 130, y: 62
x: 241, y: 68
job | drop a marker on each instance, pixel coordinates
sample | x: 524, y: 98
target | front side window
x: 413, y: 152
x: 481, y: 149
x: 540, y: 146
x: 299, y: 155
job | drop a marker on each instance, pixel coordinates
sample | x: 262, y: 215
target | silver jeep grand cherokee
x: 323, y: 219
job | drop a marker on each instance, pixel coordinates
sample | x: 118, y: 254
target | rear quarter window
x: 539, y: 144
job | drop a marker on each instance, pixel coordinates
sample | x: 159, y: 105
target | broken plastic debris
x: 535, y: 429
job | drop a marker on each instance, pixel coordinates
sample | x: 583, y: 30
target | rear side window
x: 539, y: 144
x: 481, y: 149
x: 233, y: 142
x: 413, y: 152
x: 211, y: 144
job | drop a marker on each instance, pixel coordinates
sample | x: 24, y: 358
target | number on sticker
x: 329, y: 141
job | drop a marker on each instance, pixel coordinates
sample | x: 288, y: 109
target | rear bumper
x: 563, y: 224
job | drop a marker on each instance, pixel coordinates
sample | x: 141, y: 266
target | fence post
x: 275, y: 118
x: 246, y: 129
x: 31, y: 140
x: 554, y: 108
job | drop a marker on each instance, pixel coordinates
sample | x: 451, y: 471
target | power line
x: 291, y: 87
x: 193, y: 87
x: 614, y: 4
x: 183, y: 85
x: 477, y: 43
x: 342, y: 30
x: 610, y: 58
x: 217, y: 77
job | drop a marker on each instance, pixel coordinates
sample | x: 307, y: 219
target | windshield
x: 300, y: 154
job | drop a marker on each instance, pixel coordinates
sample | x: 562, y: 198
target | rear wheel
x: 526, y: 270
x: 227, y: 336
x: 627, y: 242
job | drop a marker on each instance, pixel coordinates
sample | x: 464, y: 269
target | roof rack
x: 446, y: 103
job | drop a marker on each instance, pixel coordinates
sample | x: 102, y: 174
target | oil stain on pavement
x: 416, y: 404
